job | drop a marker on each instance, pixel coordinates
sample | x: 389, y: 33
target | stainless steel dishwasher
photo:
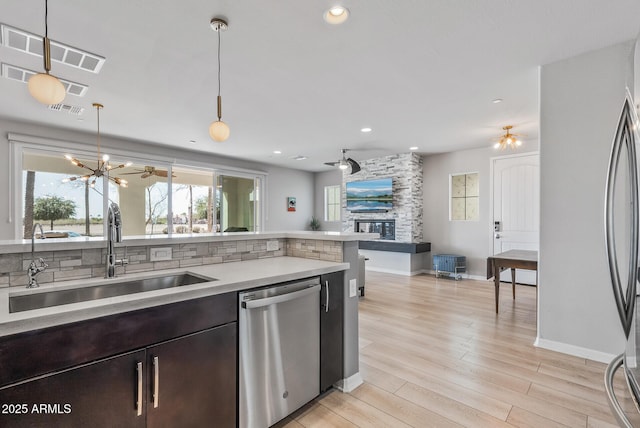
x: 279, y: 351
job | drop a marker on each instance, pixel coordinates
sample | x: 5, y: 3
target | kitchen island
x: 233, y: 262
x: 146, y: 359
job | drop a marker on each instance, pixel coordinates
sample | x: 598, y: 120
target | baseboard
x: 576, y: 351
x: 350, y: 383
x: 396, y: 272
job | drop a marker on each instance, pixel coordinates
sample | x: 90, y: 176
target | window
x: 464, y: 197
x: 193, y: 200
x: 160, y: 198
x: 332, y: 203
x: 238, y: 203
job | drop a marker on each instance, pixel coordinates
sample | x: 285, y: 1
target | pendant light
x: 103, y: 167
x: 219, y: 130
x: 44, y: 87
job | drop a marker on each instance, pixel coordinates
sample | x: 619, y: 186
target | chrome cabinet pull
x: 139, y: 392
x: 156, y: 381
x: 326, y: 306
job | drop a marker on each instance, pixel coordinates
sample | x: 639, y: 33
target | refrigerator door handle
x: 625, y: 138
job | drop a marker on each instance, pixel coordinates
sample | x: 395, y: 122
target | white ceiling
x: 420, y: 73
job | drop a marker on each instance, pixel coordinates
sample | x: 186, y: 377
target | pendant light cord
x: 46, y: 20
x: 98, y: 139
x: 219, y: 31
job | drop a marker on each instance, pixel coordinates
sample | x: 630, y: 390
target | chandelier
x: 103, y: 167
x: 508, y: 140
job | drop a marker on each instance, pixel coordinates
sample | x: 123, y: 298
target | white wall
x: 580, y: 101
x: 472, y: 239
x: 281, y: 182
x: 322, y: 179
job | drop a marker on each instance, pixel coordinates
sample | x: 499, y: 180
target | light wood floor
x: 433, y: 353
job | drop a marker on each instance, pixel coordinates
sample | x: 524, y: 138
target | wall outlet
x: 273, y: 246
x: 353, y: 287
x: 160, y: 253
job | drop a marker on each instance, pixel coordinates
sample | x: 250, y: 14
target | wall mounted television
x: 370, y: 195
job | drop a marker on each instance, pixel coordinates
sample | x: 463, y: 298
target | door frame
x: 490, y: 245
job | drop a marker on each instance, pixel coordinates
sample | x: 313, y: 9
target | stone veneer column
x: 406, y: 172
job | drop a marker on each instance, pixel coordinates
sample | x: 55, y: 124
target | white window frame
x: 334, y: 187
x: 19, y: 143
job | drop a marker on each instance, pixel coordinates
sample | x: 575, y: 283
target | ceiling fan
x: 148, y: 171
x: 345, y: 163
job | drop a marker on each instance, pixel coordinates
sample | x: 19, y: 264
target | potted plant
x: 314, y: 223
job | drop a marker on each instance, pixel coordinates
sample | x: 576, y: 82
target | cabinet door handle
x: 139, y: 392
x: 156, y: 381
x: 326, y: 306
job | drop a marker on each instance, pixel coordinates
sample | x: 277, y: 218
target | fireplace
x: 386, y: 228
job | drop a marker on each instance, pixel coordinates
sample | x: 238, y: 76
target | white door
x: 516, y: 208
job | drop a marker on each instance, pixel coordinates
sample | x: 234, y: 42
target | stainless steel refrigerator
x: 621, y: 235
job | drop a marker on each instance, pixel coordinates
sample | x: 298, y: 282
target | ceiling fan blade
x: 131, y: 173
x: 160, y: 173
x: 355, y: 166
x: 145, y: 175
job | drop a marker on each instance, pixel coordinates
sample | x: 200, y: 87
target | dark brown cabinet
x: 193, y: 380
x: 167, y: 366
x: 186, y: 382
x: 331, y: 329
x: 100, y: 394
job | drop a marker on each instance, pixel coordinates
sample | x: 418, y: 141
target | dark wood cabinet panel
x: 331, y: 329
x: 196, y: 380
x: 85, y: 341
x: 100, y: 394
x: 85, y: 374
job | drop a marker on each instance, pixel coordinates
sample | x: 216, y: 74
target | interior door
x: 516, y: 208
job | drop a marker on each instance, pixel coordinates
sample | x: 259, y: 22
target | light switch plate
x: 160, y: 253
x: 353, y: 287
x: 272, y: 246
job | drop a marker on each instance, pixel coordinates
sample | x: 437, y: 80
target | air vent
x: 22, y: 75
x: 63, y: 54
x: 66, y: 108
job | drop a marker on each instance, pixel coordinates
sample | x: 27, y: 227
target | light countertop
x: 55, y: 244
x: 234, y: 276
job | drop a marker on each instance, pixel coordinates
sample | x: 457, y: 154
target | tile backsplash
x: 90, y: 263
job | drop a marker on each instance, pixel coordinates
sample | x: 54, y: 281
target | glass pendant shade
x: 46, y: 89
x: 219, y: 131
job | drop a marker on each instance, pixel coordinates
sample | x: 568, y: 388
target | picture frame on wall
x: 291, y: 203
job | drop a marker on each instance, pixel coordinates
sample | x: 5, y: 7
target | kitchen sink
x: 122, y: 287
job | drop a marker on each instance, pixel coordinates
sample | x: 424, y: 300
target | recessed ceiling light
x: 277, y: 152
x: 497, y: 101
x: 413, y: 148
x: 300, y: 157
x: 336, y: 15
x: 192, y: 141
x: 365, y: 130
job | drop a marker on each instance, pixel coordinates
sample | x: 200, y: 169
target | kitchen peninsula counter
x: 235, y: 276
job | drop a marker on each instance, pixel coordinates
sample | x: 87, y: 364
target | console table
x: 512, y: 259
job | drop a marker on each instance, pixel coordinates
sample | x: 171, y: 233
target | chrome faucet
x: 34, y: 269
x: 114, y: 234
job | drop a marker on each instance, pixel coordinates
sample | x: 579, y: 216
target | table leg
x: 496, y: 281
x: 513, y: 282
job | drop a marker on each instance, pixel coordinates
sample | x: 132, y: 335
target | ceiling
x: 419, y: 73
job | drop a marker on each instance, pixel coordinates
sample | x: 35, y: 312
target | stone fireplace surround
x: 406, y: 172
